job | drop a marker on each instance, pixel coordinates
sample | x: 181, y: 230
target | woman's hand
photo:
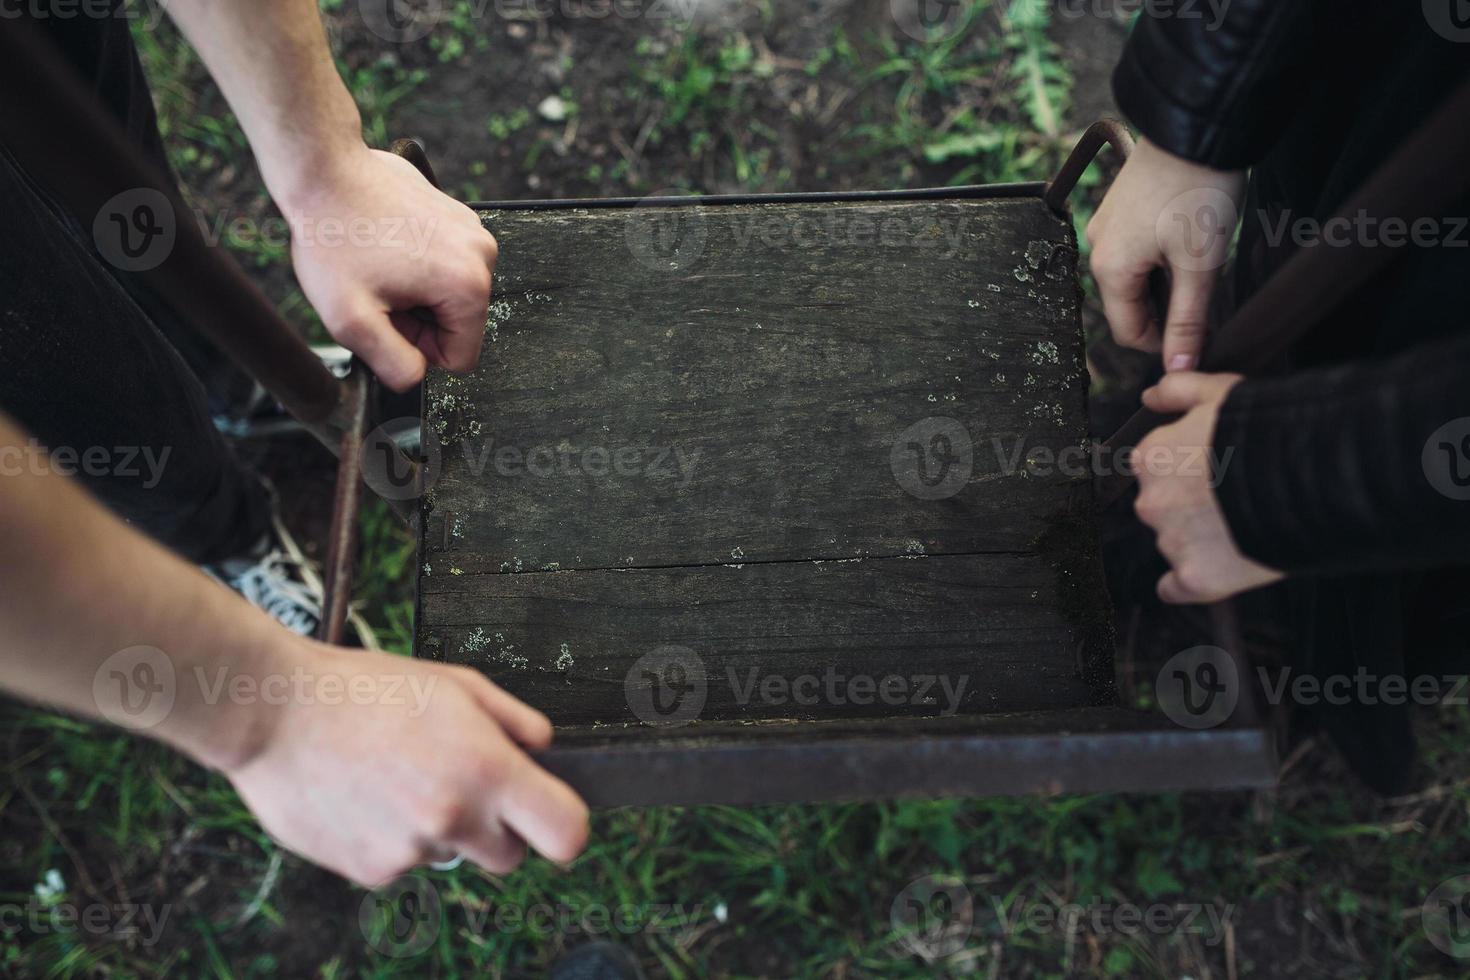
x: 1176, y: 495
x: 1163, y: 212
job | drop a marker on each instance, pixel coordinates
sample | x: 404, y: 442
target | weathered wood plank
x: 746, y: 405
x: 960, y: 634
x: 785, y: 438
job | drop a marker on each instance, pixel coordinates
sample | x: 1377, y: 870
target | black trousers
x: 93, y: 369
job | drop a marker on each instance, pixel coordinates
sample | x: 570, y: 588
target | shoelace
x: 268, y: 584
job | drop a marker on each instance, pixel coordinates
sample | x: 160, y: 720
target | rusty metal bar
x: 1095, y: 751
x: 351, y: 474
x: 346, y: 504
x: 1103, y: 132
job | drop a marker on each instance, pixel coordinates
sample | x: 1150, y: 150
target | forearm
x: 77, y: 586
x: 271, y: 60
x: 1350, y: 468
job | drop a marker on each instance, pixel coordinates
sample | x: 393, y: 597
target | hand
x: 1176, y: 494
x: 373, y: 241
x: 425, y: 762
x: 1163, y: 212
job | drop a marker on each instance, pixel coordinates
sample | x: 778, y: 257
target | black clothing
x: 1347, y: 463
x: 90, y: 362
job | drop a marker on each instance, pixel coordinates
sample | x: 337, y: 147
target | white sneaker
x: 271, y: 580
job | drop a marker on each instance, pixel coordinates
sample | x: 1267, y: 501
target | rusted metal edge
x: 1105, y: 131
x: 346, y: 504
x: 812, y: 770
x: 961, y: 191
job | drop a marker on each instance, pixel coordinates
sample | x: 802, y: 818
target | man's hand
x: 1163, y: 212
x: 343, y: 201
x: 399, y: 272
x: 1176, y: 494
x: 363, y: 762
x: 370, y: 789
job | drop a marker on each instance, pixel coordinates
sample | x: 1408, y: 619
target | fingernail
x: 1181, y: 362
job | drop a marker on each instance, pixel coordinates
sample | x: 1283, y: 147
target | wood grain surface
x: 783, y: 440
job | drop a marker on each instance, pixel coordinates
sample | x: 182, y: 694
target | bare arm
x: 371, y: 239
x: 364, y: 762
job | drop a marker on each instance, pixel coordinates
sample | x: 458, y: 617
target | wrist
x: 301, y: 177
x: 229, y: 709
x: 1157, y: 156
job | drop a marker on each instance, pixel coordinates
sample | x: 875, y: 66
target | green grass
x: 790, y: 891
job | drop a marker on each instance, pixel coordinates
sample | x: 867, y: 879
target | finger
x: 492, y: 846
x: 523, y: 723
x: 1178, y: 392
x: 370, y: 334
x: 461, y: 317
x: 419, y: 328
x: 544, y: 811
x: 1187, y: 318
x: 1125, y: 303
x: 1173, y: 591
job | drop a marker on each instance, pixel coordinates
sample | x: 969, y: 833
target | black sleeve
x: 1352, y: 468
x: 1214, y: 82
